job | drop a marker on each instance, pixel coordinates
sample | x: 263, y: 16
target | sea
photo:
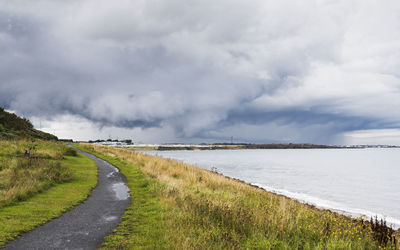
x: 357, y: 182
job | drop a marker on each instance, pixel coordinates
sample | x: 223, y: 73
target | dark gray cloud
x: 204, y: 70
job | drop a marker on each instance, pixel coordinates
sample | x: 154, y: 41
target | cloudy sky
x: 319, y: 71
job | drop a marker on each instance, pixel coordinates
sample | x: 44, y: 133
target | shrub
x: 70, y: 152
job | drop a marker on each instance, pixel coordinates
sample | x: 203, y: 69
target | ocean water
x: 352, y: 181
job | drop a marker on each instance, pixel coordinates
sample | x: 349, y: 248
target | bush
x: 70, y: 152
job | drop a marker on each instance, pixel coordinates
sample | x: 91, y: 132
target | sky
x: 191, y: 71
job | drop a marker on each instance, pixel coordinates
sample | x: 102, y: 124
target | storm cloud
x: 261, y: 71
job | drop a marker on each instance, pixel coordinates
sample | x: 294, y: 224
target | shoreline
x: 349, y: 215
x: 304, y: 198
x: 392, y: 222
x: 349, y: 212
x: 353, y: 215
x: 194, y: 207
x: 227, y: 146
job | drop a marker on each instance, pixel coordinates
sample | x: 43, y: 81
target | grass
x: 21, y: 177
x: 142, y: 148
x: 178, y: 206
x: 142, y: 224
x: 36, y: 189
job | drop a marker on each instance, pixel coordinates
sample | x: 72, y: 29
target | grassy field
x: 178, y: 206
x: 38, y: 188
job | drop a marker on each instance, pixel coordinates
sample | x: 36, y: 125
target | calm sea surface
x: 353, y: 181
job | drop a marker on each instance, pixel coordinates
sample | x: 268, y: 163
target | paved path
x: 87, y: 224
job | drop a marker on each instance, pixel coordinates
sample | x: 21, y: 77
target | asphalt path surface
x: 87, y: 224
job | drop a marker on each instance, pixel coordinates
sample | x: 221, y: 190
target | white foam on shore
x: 333, y: 206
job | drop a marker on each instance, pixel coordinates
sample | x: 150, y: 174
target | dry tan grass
x: 208, y: 210
x: 20, y: 176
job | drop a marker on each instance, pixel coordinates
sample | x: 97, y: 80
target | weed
x: 381, y: 232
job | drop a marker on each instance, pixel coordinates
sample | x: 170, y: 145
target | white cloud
x: 191, y: 66
x: 372, y: 136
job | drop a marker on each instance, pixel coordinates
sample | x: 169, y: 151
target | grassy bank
x: 40, y: 187
x: 175, y: 205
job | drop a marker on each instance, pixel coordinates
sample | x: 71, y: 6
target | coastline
x: 201, y: 208
x: 354, y: 213
x: 394, y: 223
x: 351, y: 209
x: 284, y: 193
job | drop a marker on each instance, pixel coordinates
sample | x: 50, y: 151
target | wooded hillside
x: 15, y: 127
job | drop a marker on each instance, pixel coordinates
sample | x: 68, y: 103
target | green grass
x: 178, y: 206
x: 21, y: 177
x: 142, y: 224
x: 48, y: 196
